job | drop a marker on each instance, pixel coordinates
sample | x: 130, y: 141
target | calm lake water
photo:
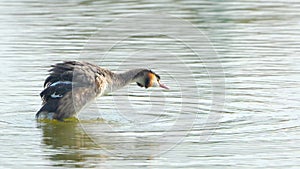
x: 233, y: 69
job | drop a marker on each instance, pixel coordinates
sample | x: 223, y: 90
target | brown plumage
x: 72, y: 84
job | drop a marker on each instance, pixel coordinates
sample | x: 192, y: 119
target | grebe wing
x: 69, y: 87
x: 81, y: 72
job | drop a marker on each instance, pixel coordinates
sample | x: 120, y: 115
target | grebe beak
x: 163, y: 86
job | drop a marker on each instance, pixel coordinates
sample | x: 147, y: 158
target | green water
x: 255, y: 126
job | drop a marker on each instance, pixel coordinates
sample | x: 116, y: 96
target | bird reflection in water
x: 72, y: 145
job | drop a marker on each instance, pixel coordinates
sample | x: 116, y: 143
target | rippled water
x: 189, y: 126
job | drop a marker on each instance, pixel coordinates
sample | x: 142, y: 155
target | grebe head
x: 147, y: 78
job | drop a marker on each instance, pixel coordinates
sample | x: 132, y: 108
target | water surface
x: 257, y: 44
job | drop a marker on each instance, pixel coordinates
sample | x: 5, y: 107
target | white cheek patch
x: 155, y: 84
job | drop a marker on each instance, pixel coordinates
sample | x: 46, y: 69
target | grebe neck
x: 120, y: 80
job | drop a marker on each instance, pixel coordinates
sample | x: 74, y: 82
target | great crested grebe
x: 71, y: 85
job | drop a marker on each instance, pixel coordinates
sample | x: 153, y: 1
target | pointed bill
x: 163, y: 86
